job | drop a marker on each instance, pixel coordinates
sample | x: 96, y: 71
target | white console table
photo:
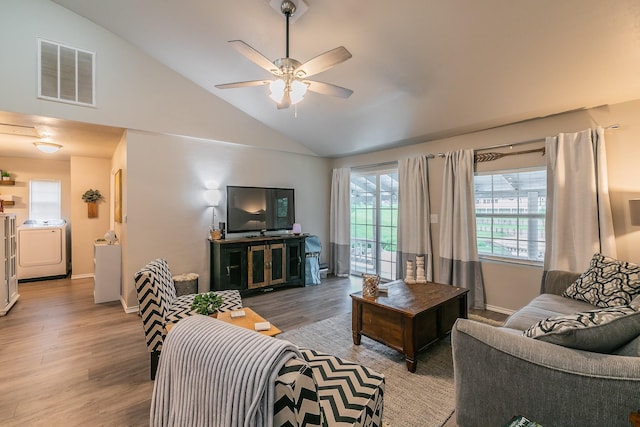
x: 107, y: 268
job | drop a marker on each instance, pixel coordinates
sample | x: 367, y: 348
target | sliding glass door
x: 374, y: 220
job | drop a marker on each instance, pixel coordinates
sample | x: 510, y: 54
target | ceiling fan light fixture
x: 298, y: 90
x: 47, y: 147
x: 289, y: 88
x: 277, y: 90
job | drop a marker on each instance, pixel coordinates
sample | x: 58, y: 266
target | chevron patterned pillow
x: 607, y: 282
x: 601, y: 331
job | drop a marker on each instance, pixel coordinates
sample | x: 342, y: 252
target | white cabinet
x: 8, y: 278
x: 107, y: 272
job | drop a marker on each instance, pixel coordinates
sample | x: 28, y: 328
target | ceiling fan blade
x: 286, y: 101
x: 244, y: 84
x: 322, y: 62
x: 328, y: 89
x: 254, y: 56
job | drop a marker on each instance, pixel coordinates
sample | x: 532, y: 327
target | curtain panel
x: 340, y: 222
x: 414, y: 213
x: 459, y: 263
x: 578, y: 221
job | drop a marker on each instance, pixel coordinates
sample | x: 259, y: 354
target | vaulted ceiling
x: 420, y: 70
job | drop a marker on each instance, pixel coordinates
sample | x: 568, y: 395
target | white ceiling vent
x: 66, y: 74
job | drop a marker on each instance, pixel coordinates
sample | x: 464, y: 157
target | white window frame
x: 487, y: 214
x: 370, y: 249
x: 31, y: 199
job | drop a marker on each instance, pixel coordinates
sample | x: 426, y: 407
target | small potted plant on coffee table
x: 207, y: 304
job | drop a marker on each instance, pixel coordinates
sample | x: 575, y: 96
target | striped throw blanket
x: 215, y: 374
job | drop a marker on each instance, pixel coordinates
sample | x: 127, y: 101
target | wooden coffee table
x: 247, y: 322
x: 409, y: 317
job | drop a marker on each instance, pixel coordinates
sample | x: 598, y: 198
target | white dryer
x: 42, y: 249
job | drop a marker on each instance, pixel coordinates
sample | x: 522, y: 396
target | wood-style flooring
x: 65, y: 361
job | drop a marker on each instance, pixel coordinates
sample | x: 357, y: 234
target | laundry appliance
x: 43, y: 249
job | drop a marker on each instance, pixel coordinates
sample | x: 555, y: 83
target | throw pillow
x: 607, y: 282
x: 601, y: 331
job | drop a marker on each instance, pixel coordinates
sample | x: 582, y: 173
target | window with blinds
x: 510, y: 213
x: 65, y: 74
x: 44, y: 200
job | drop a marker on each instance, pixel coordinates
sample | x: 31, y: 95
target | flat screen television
x: 259, y: 209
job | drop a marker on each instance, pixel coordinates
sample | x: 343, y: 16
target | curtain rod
x: 375, y: 165
x: 513, y: 144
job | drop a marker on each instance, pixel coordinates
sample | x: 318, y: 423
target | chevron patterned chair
x: 315, y: 390
x: 159, y: 305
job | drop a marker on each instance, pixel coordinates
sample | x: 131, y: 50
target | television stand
x: 256, y: 264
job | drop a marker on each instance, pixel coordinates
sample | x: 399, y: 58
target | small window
x: 44, y: 200
x: 510, y: 214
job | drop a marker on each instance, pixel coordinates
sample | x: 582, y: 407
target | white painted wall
x: 132, y: 90
x: 509, y: 287
x: 167, y: 216
x: 119, y: 162
x: 87, y: 173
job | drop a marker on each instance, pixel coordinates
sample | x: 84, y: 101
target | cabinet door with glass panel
x: 267, y: 265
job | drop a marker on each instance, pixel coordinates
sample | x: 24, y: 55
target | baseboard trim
x: 81, y: 276
x: 129, y: 310
x: 499, y: 309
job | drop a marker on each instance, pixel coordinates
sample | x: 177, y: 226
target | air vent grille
x: 65, y: 74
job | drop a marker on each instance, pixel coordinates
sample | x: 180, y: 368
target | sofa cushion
x: 600, y: 331
x: 542, y: 307
x: 607, y: 282
x: 630, y: 349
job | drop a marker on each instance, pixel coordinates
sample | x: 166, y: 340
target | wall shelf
x: 10, y: 182
x: 8, y: 203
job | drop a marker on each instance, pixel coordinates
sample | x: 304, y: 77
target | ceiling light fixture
x: 291, y: 82
x: 47, y: 147
x: 296, y: 90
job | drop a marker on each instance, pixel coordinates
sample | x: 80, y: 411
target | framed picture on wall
x: 117, y: 196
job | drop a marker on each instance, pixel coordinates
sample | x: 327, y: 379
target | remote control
x: 238, y: 313
x: 262, y: 326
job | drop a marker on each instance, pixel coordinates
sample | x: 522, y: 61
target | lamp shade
x: 634, y: 211
x: 277, y: 90
x: 212, y: 197
x: 298, y: 89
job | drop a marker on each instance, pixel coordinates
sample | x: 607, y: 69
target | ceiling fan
x: 291, y: 82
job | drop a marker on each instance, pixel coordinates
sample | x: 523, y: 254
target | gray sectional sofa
x: 500, y: 373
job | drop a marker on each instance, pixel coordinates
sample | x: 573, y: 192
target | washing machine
x: 42, y: 249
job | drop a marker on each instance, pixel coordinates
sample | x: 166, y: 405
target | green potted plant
x: 207, y: 304
x: 6, y: 176
x: 91, y: 197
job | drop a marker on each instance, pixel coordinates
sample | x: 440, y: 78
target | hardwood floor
x: 67, y: 361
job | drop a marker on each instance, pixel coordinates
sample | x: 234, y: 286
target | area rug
x: 485, y: 320
x: 424, y: 398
